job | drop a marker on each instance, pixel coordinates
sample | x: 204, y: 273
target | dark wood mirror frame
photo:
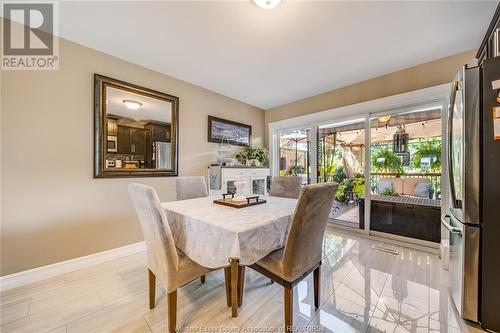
x: 100, y: 141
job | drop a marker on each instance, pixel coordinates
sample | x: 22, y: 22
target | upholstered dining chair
x: 190, y: 187
x: 286, y: 186
x: 301, y: 254
x: 165, y: 262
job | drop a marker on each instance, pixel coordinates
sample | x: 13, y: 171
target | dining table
x: 218, y: 236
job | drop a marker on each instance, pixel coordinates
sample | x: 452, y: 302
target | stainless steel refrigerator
x: 161, y: 155
x: 473, y: 220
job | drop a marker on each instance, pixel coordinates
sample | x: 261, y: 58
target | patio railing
x: 435, y: 178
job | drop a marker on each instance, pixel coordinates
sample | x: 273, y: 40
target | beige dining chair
x: 190, y: 187
x: 286, y: 186
x: 165, y: 262
x: 301, y: 254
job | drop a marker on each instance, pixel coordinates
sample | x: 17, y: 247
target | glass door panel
x: 405, y: 173
x: 341, y: 155
x: 258, y: 185
x: 294, y: 154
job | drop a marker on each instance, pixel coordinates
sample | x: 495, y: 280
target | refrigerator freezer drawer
x: 464, y: 267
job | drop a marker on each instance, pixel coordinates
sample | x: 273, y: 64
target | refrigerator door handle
x: 448, y: 226
x: 453, y: 96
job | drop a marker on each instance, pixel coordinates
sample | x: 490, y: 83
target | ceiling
x: 268, y: 58
x: 151, y: 108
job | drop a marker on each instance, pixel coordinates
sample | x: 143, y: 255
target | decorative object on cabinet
x: 145, y: 138
x: 223, y: 179
x: 223, y: 151
x: 252, y: 156
x: 222, y: 129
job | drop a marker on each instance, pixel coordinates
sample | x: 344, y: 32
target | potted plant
x: 359, y: 189
x: 261, y: 155
x: 388, y: 162
x: 432, y: 150
x: 297, y: 170
x: 252, y: 156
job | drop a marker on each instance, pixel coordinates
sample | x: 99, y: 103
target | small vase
x: 254, y: 162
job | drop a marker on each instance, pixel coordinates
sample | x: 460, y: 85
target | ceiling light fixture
x: 133, y: 105
x: 384, y: 119
x: 267, y: 4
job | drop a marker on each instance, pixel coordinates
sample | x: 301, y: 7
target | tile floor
x: 362, y: 290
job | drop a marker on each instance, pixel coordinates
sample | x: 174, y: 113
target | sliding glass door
x: 405, y: 173
x: 387, y: 165
x: 341, y: 159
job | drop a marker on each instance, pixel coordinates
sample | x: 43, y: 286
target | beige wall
x: 53, y: 209
x: 421, y: 76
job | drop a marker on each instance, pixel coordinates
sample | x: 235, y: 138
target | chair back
x: 286, y: 186
x: 305, y: 238
x: 190, y: 187
x: 161, y: 251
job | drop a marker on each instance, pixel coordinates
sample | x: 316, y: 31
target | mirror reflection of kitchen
x: 138, y: 131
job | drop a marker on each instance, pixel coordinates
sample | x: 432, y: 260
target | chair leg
x: 227, y: 282
x: 241, y: 284
x: 172, y: 311
x: 288, y: 300
x: 202, y: 279
x: 152, y: 289
x: 316, y: 281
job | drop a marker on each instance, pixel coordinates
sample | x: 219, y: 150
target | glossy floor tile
x: 366, y: 286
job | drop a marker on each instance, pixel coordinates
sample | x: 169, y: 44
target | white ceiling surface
x: 268, y: 58
x: 151, y: 109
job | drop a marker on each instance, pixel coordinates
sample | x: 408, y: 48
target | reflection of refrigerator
x: 161, y: 155
x: 473, y: 219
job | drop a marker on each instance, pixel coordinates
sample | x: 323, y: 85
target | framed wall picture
x: 232, y: 132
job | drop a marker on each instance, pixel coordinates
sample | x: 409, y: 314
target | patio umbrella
x: 296, y: 137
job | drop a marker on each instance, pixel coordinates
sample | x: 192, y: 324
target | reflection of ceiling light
x: 267, y: 4
x: 385, y: 118
x: 133, y: 105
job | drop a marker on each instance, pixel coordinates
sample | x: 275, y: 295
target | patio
x: 346, y: 215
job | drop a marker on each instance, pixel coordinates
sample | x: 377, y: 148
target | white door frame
x: 432, y: 96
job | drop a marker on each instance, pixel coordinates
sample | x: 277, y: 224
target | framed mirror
x: 136, y: 130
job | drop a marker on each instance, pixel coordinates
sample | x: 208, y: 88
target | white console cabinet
x: 255, y: 178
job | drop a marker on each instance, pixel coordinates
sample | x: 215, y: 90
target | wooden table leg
x: 234, y: 287
x: 227, y: 282
x: 241, y: 284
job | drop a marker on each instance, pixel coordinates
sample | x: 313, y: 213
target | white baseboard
x: 45, y: 272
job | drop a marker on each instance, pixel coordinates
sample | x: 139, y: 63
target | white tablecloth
x: 211, y: 234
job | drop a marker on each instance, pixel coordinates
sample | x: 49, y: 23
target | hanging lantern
x: 400, y: 141
x: 405, y: 158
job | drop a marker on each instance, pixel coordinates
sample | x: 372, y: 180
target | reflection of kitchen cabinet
x: 124, y: 143
x: 112, y: 126
x: 159, y: 132
x: 138, y: 141
x: 131, y: 140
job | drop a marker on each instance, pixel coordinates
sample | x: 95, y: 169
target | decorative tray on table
x: 239, y: 203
